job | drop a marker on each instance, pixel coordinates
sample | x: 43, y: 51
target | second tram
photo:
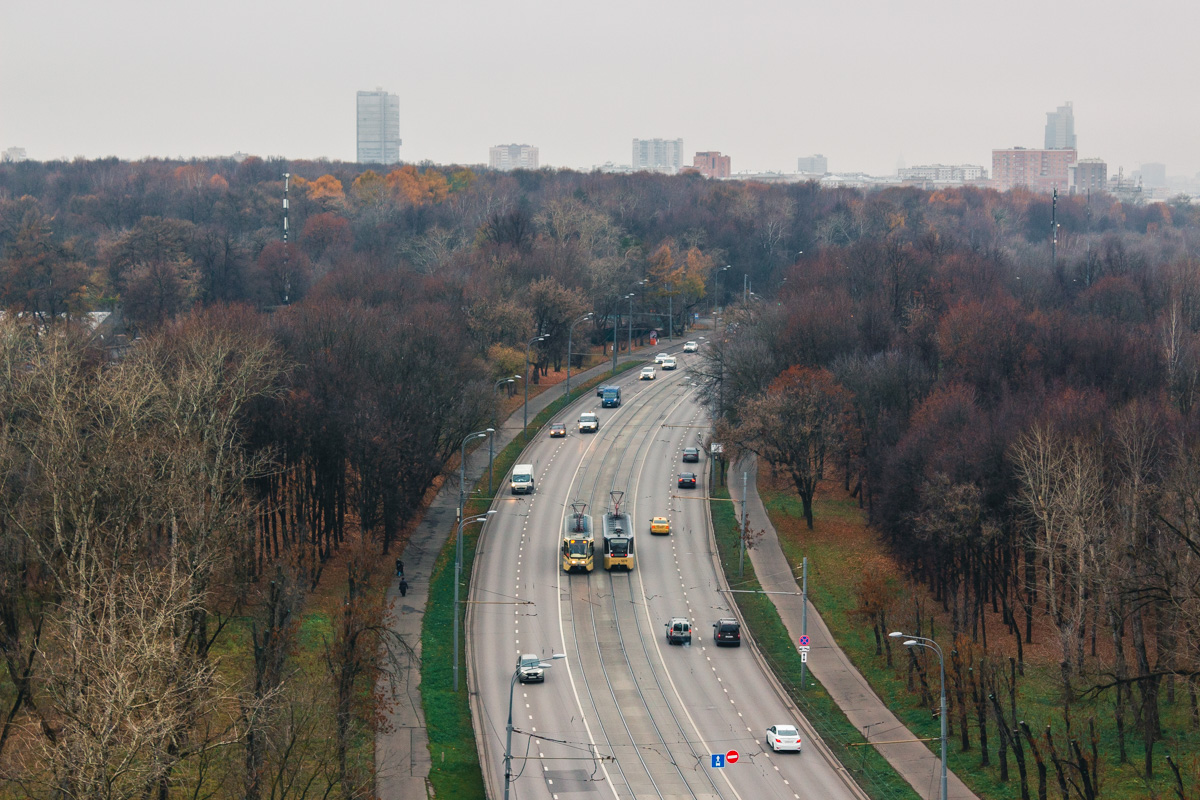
x: 578, y: 542
x: 618, y: 536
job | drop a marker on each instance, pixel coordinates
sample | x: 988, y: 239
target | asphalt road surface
x: 625, y: 714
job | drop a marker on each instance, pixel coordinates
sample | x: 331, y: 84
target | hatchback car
x: 658, y: 359
x: 727, y: 631
x: 691, y: 454
x: 557, y: 430
x: 783, y: 737
x: 691, y: 347
x: 660, y: 525
x: 687, y: 480
x: 679, y: 631
x: 648, y: 373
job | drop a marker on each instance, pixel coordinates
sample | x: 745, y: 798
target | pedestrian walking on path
x: 399, y: 568
x: 403, y: 586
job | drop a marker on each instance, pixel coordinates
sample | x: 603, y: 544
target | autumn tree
x: 799, y: 422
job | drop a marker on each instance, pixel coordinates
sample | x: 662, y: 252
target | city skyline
x: 113, y: 80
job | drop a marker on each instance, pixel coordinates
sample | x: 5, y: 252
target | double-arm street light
x: 528, y: 344
x: 462, y: 467
x: 496, y: 422
x: 508, y: 741
x: 570, y: 336
x: 930, y: 644
x: 458, y: 556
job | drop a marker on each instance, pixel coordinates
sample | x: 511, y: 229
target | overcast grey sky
x: 865, y: 82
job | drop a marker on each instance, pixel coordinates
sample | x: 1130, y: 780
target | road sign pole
x: 804, y: 617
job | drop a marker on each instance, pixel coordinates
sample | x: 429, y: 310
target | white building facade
x: 378, y: 128
x: 507, y: 157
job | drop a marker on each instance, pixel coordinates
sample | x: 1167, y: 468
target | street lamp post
x: 570, y: 335
x: 930, y: 644
x: 528, y: 344
x: 725, y: 283
x: 462, y: 467
x: 508, y: 739
x: 496, y: 423
x: 458, y: 548
x: 629, y: 297
x: 616, y: 317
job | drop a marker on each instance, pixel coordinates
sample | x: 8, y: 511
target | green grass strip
x: 864, y: 763
x: 455, y: 772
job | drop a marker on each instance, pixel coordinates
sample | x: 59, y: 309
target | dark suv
x: 727, y: 631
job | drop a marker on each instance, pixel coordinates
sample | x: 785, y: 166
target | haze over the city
x: 867, y: 84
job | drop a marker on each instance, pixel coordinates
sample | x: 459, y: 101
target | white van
x: 522, y: 479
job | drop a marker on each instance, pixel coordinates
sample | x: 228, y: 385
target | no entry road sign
x: 732, y: 756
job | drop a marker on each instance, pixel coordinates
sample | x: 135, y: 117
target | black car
x: 691, y: 454
x: 687, y: 480
x: 727, y: 631
x: 600, y: 391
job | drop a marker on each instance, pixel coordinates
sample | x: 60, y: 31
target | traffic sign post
x: 718, y: 760
x: 803, y: 656
x: 804, y: 642
x: 732, y: 756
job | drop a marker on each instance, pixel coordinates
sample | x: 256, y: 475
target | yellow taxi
x: 660, y: 525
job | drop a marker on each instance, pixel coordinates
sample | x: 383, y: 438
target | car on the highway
x: 687, y: 480
x: 783, y: 737
x: 679, y: 631
x: 727, y: 631
x: 669, y: 362
x: 589, y: 422
x: 557, y: 430
x: 660, y: 525
x: 691, y: 454
x: 600, y: 391
x: 658, y: 359
x: 691, y: 347
x: 647, y: 374
x: 529, y: 669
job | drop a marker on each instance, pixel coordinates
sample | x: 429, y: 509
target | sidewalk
x: 402, y: 758
x: 829, y: 665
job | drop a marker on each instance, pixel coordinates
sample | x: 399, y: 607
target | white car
x: 668, y: 362
x: 783, y: 737
x: 691, y: 347
x: 658, y: 359
x: 648, y: 374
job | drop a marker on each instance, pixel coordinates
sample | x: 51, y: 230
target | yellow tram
x: 618, y: 536
x: 578, y: 542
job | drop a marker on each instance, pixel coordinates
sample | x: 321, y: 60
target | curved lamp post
x: 458, y: 547
x: 496, y: 423
x: 930, y: 644
x: 570, y: 336
x: 629, y: 346
x: 508, y: 740
x: 462, y: 467
x: 529, y: 344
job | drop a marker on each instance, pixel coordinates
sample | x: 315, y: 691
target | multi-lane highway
x: 624, y: 714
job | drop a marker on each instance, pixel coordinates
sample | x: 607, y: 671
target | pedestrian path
x: 402, y: 759
x: 829, y: 665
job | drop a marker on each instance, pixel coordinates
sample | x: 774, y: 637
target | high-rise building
x: 13, y: 154
x: 1089, y: 175
x: 813, y: 165
x: 711, y: 164
x: 378, y: 127
x: 1154, y: 176
x: 513, y: 156
x: 1060, y: 128
x: 1039, y: 170
x: 658, y: 155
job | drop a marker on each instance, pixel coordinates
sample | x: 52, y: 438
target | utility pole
x: 742, y: 548
x: 616, y: 316
x: 287, y: 283
x: 1054, y: 228
x: 804, y: 615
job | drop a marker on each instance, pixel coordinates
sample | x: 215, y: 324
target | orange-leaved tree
x: 801, y: 420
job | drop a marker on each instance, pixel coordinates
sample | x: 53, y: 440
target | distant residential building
x: 239, y: 156
x: 1039, y: 170
x: 658, y: 155
x: 1154, y: 176
x: 1060, y: 128
x: 13, y: 155
x: 378, y: 127
x: 813, y: 165
x: 1088, y: 175
x: 711, y: 164
x: 513, y: 156
x: 942, y: 173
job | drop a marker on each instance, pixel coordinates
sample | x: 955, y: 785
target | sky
x: 871, y: 84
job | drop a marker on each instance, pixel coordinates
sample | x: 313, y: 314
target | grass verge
x: 842, y: 547
x: 455, y: 771
x: 864, y: 763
